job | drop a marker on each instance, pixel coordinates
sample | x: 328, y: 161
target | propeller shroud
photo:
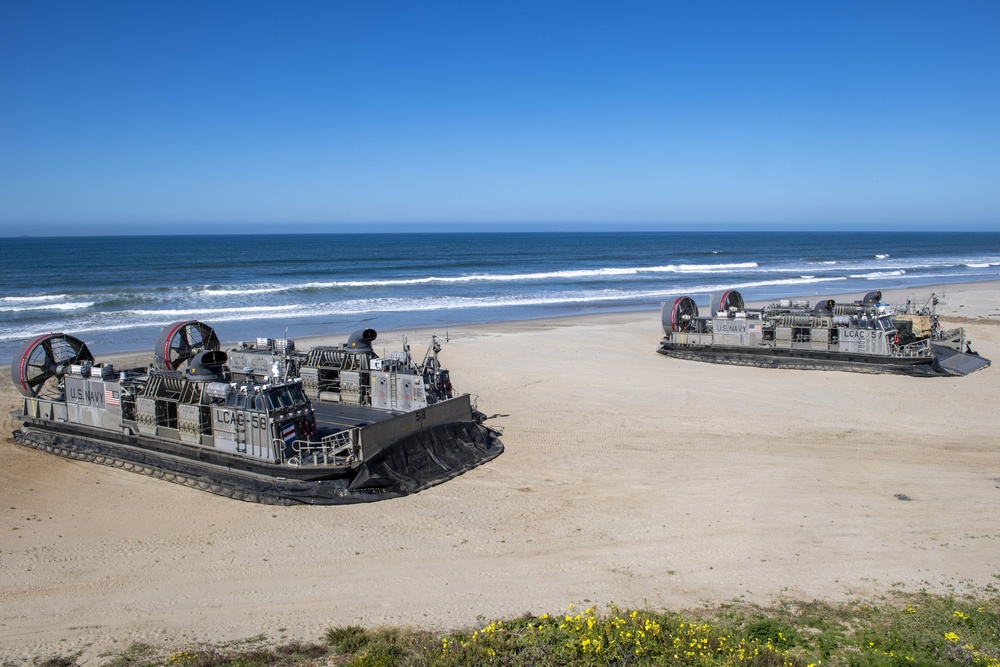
x: 727, y: 302
x: 182, y: 341
x: 683, y: 312
x: 40, y: 364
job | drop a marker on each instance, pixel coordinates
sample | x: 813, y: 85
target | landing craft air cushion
x: 865, y: 336
x: 263, y: 423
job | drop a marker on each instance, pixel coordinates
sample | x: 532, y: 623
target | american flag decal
x: 112, y: 397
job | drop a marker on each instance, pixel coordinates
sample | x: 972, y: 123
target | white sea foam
x: 248, y: 289
x: 893, y: 268
x: 29, y: 299
x: 765, y: 283
x: 881, y: 256
x: 250, y: 312
x: 875, y: 275
x: 709, y: 268
x: 354, y: 308
x: 479, y: 277
x: 79, y: 305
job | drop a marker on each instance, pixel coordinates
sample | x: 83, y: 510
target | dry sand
x: 627, y: 477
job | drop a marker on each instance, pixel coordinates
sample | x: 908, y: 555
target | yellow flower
x: 950, y: 637
x: 959, y: 614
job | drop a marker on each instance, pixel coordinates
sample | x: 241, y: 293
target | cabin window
x: 286, y: 397
x: 279, y: 399
x: 801, y: 334
x: 236, y: 400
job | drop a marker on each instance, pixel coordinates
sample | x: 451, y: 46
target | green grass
x: 904, y: 629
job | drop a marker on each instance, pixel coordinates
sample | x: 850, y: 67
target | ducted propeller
x: 40, y: 364
x: 180, y: 342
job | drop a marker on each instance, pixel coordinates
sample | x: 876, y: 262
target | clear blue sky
x: 152, y: 117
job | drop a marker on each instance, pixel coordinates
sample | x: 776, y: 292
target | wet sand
x: 627, y: 477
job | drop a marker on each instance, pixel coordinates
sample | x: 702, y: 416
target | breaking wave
x: 875, y: 275
x: 569, y: 274
x: 79, y: 305
x: 253, y: 284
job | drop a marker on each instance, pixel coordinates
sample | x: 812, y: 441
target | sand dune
x: 627, y: 477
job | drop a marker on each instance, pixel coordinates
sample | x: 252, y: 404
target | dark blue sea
x: 117, y: 292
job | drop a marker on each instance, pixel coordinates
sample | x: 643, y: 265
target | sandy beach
x: 627, y: 477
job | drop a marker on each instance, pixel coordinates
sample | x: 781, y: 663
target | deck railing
x: 336, y: 449
x: 920, y: 348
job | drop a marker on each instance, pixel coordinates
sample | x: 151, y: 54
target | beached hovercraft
x: 862, y: 336
x: 333, y: 425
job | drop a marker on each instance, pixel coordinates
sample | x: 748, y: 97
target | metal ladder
x: 241, y: 435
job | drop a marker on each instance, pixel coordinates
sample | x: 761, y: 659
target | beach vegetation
x: 913, y: 630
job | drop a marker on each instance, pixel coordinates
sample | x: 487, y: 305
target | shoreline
x: 980, y: 309
x: 627, y: 477
x: 298, y: 292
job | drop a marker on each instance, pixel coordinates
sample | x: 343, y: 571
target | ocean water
x: 117, y: 292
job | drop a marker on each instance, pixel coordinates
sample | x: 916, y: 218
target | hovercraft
x: 864, y: 336
x: 261, y: 423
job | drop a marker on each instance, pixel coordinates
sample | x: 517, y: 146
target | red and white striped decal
x: 27, y: 353
x: 673, y: 314
x: 166, y: 346
x: 722, y: 301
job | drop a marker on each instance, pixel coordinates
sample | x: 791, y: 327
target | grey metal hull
x: 813, y: 360
x: 414, y: 463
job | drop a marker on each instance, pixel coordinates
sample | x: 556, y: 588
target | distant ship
x: 262, y: 423
x: 864, y: 336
